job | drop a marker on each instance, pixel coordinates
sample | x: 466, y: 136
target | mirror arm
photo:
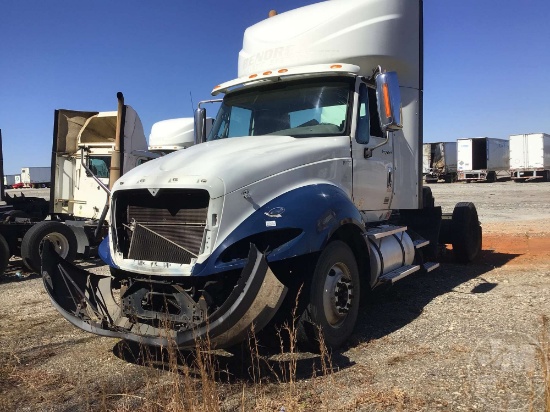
x: 368, y: 150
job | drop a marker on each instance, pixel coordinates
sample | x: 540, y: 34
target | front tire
x: 61, y: 236
x: 334, y: 292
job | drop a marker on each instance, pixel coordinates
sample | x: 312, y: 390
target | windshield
x: 289, y: 108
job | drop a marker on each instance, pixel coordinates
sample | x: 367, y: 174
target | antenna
x: 192, y: 104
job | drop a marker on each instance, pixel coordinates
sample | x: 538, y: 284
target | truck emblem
x: 275, y: 212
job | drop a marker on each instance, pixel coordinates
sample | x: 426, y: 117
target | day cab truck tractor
x: 87, y: 148
x: 310, y: 180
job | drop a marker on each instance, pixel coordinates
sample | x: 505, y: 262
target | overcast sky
x: 487, y: 63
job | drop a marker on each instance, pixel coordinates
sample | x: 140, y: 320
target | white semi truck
x: 84, y: 149
x: 482, y: 159
x: 311, y: 175
x: 439, y: 162
x: 170, y: 135
x: 530, y: 157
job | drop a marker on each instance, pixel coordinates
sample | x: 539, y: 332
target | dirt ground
x: 461, y: 338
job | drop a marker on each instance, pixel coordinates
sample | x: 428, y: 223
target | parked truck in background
x: 170, y: 135
x: 482, y: 159
x: 530, y: 157
x: 439, y: 162
x: 10, y: 180
x: 83, y: 150
x: 311, y: 175
x: 35, y: 177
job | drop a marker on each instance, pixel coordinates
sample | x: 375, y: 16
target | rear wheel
x: 466, y: 232
x: 4, y: 255
x: 61, y: 236
x: 333, y: 304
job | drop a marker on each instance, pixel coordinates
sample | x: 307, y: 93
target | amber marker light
x: 252, y: 76
x: 386, y: 94
x: 217, y: 87
x: 282, y: 70
x: 336, y: 66
x: 267, y: 73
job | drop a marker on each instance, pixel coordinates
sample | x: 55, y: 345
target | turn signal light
x: 386, y: 93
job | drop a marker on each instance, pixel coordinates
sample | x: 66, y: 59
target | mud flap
x: 86, y: 300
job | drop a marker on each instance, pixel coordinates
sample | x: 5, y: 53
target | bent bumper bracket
x: 86, y: 300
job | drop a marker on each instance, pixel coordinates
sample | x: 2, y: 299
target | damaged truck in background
x: 311, y: 175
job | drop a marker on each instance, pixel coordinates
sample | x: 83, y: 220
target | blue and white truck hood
x: 241, y: 175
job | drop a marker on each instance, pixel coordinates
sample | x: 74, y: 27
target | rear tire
x: 492, y: 177
x: 334, y: 292
x: 466, y: 232
x: 4, y: 255
x: 61, y: 236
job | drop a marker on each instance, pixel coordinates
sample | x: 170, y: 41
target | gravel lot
x: 460, y: 338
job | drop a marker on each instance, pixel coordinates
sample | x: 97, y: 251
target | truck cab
x: 310, y: 177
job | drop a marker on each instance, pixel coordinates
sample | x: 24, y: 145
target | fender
x: 296, y: 223
x: 104, y: 252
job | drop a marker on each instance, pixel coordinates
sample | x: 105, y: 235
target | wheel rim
x: 60, y: 243
x: 337, y: 294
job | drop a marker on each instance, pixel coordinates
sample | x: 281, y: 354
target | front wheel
x: 333, y: 299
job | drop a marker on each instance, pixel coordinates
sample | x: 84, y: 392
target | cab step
x: 384, y: 230
x: 399, y: 273
x: 420, y: 243
x: 429, y: 266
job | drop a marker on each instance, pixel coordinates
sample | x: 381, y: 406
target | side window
x: 375, y: 129
x: 100, y: 165
x: 362, y: 132
x: 240, y: 122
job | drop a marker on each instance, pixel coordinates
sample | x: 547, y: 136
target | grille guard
x: 77, y: 294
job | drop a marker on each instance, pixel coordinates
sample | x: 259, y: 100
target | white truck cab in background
x: 174, y: 134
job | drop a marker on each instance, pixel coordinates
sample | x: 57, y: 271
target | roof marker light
x: 336, y: 66
x: 282, y: 71
x: 217, y: 87
x: 267, y: 73
x: 252, y: 76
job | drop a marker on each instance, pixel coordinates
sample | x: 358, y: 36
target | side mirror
x: 389, y: 101
x: 200, y: 125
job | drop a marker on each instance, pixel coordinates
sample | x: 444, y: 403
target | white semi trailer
x: 10, y: 180
x: 439, y: 162
x: 482, y: 159
x: 530, y: 157
x: 35, y: 177
x: 311, y: 174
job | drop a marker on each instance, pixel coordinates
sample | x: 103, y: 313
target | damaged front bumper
x: 87, y: 301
